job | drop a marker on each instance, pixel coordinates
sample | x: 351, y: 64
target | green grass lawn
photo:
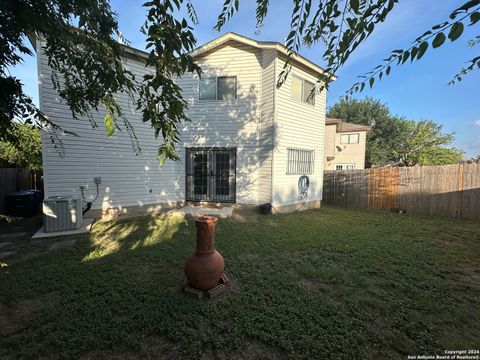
x: 328, y: 283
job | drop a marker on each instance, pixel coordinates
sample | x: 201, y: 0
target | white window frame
x: 349, y: 136
x: 344, y: 166
x: 216, y: 87
x: 303, y: 80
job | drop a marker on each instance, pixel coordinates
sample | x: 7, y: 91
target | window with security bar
x: 300, y: 162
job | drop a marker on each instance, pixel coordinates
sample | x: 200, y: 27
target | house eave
x: 230, y: 36
x: 267, y: 45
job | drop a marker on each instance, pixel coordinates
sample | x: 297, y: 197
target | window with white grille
x: 344, y: 166
x: 300, y: 162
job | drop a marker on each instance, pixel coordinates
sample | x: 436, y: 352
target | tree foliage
x: 452, y: 28
x: 22, y: 147
x: 81, y: 46
x: 393, y: 140
x: 340, y: 26
x: 80, y: 38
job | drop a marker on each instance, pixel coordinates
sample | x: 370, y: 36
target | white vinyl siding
x: 130, y: 180
x: 297, y: 125
x: 261, y: 122
x: 267, y: 126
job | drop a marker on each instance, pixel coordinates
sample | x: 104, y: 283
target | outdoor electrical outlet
x: 98, y: 180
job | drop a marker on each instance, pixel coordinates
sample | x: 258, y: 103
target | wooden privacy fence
x: 17, y: 179
x: 449, y: 190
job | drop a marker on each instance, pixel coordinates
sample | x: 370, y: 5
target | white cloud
x: 477, y: 122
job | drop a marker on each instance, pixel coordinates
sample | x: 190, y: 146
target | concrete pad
x: 62, y: 245
x: 224, y: 212
x: 84, y: 229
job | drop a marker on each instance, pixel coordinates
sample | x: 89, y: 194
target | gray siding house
x: 247, y: 144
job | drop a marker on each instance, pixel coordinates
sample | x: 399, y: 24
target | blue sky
x: 416, y: 91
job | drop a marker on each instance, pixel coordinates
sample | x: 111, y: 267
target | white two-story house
x: 248, y: 143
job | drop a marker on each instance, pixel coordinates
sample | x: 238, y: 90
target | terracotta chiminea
x: 204, y: 269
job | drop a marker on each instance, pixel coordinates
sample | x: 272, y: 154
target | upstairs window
x: 349, y: 138
x: 344, y: 166
x: 218, y: 88
x: 300, y: 162
x: 303, y: 90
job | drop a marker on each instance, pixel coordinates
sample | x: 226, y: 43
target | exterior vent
x: 62, y: 213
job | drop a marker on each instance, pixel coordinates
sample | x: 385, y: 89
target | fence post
x: 460, y: 191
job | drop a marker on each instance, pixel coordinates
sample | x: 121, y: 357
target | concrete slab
x: 86, y: 226
x: 224, y: 212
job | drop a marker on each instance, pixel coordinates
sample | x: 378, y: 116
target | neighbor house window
x: 303, y: 90
x: 344, y: 166
x: 218, y: 88
x: 300, y: 162
x: 349, y: 138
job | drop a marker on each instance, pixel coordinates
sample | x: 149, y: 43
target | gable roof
x: 273, y: 45
x: 343, y: 126
x: 222, y: 39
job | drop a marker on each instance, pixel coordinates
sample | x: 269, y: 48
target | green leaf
x: 371, y: 81
x: 387, y: 71
x: 456, y: 31
x: 354, y: 4
x: 474, y: 18
x: 468, y: 5
x: 424, y: 34
x: 413, y: 53
x: 438, y: 26
x: 421, y: 49
x: 439, y: 40
x: 109, y: 128
x: 406, y: 54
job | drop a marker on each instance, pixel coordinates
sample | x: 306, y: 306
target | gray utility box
x: 62, y: 213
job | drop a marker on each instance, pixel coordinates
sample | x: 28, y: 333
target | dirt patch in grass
x: 14, y: 317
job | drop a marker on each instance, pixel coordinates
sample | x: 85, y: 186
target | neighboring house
x: 248, y: 142
x: 344, y: 145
